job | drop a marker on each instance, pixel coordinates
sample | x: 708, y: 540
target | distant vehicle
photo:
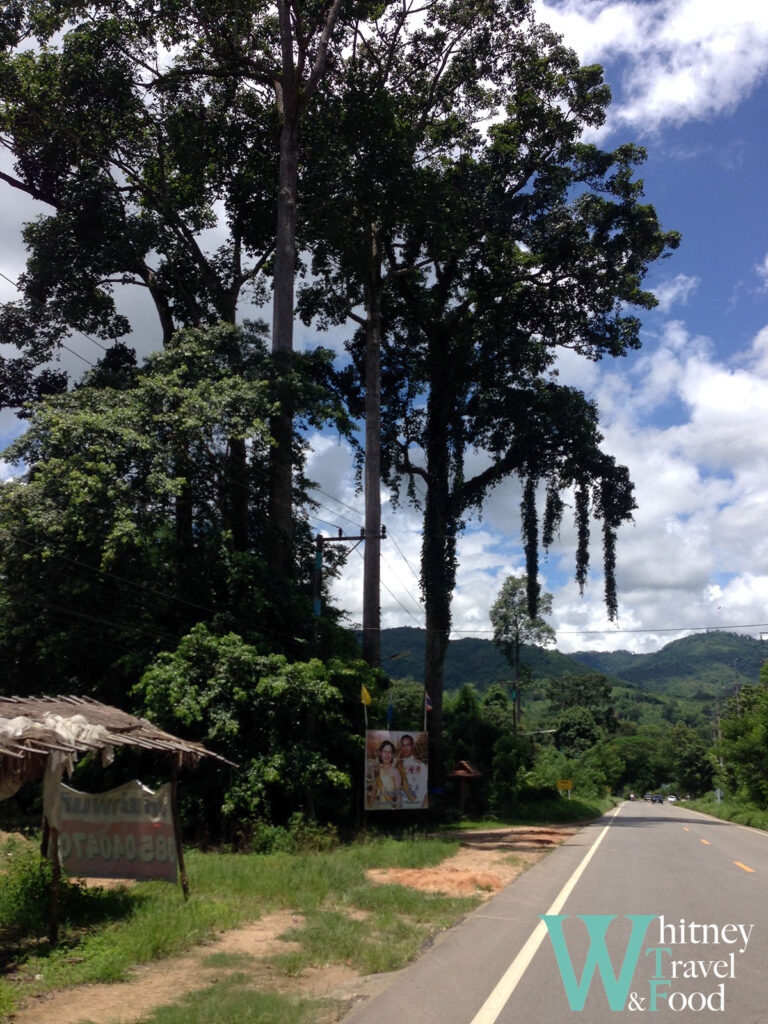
x: 671, y: 798
x: 647, y: 796
x: 657, y: 798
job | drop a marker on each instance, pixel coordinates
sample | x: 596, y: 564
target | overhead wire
x: 386, y: 561
x: 660, y: 629
x: 397, y: 599
x: 39, y: 302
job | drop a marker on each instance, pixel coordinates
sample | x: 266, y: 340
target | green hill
x: 470, y: 660
x: 702, y: 667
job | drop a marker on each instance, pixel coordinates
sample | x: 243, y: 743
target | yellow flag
x: 365, y: 697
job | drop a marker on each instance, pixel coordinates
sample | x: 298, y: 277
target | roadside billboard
x: 124, y: 833
x: 396, y: 770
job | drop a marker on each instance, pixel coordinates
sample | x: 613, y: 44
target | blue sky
x: 688, y: 414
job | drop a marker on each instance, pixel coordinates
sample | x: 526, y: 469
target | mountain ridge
x: 703, y: 665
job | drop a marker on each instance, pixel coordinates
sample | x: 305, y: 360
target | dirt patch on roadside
x: 165, y: 982
x: 485, y: 863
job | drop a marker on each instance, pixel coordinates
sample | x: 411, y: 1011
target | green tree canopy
x: 691, y: 760
x: 577, y: 731
x: 288, y: 725
x: 591, y: 691
x: 744, y: 745
x: 118, y: 537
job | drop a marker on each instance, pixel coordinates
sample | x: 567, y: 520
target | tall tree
x: 513, y: 626
x: 406, y: 91
x: 495, y: 250
x: 535, y: 241
x: 147, y: 127
x: 281, y: 50
x: 133, y: 169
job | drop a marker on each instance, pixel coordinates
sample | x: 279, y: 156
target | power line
x: 400, y: 552
x: 397, y: 599
x: 342, y: 503
x: 333, y: 511
x: 88, y: 361
x: 415, y: 600
x: 660, y: 629
x: 31, y: 298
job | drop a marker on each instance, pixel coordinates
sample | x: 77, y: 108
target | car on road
x: 657, y: 798
x: 671, y: 798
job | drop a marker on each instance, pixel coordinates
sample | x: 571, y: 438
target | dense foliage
x: 293, y: 728
x: 119, y: 535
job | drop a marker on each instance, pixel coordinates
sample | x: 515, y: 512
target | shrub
x: 300, y: 835
x: 25, y: 887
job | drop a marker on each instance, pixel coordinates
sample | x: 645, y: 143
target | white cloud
x: 758, y: 355
x: 677, y: 289
x: 696, y: 555
x: 685, y: 59
x: 761, y: 269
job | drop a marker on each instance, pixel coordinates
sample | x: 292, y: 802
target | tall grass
x: 560, y: 810
x: 733, y: 809
x: 152, y: 920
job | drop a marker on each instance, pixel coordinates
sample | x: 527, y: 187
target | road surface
x: 688, y: 938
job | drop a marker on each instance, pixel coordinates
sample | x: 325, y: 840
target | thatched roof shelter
x: 32, y: 728
x: 41, y: 737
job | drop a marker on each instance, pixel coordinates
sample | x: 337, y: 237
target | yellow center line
x: 705, y: 841
x: 744, y: 867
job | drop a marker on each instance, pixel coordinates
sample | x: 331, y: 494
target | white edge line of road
x: 725, y: 821
x: 498, y: 998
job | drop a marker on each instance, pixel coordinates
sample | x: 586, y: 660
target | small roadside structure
x: 467, y: 774
x: 42, y: 737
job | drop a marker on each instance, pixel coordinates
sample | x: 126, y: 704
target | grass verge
x: 560, y: 811
x: 233, y: 1002
x: 151, y: 920
x: 729, y: 809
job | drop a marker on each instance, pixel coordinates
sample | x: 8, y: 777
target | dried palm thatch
x: 32, y: 728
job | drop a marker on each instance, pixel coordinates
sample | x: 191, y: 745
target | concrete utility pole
x: 372, y: 559
x: 317, y: 589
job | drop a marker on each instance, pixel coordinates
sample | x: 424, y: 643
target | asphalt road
x: 697, y: 889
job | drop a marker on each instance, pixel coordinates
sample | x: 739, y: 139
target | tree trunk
x: 291, y: 94
x: 438, y: 559
x: 239, y: 492
x: 183, y: 513
x: 238, y: 477
x: 372, y: 554
x: 281, y: 475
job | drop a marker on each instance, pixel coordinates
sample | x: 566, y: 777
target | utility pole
x: 372, y: 558
x: 317, y: 587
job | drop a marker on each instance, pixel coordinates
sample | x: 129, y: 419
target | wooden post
x: 53, y: 920
x: 176, y: 827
